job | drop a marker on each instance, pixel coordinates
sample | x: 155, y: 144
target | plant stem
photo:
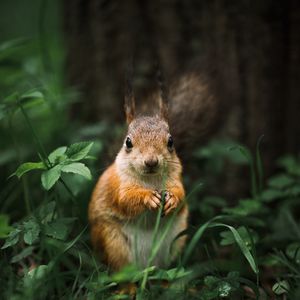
x: 24, y: 180
x: 68, y: 190
x: 39, y: 145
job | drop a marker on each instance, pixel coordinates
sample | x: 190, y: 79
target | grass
x: 237, y: 248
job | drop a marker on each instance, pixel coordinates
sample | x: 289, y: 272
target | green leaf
x: 32, y: 94
x: 241, y: 243
x: 228, y: 238
x: 293, y: 191
x: 177, y: 273
x: 27, y: 100
x: 238, y: 239
x: 56, y: 155
x: 59, y: 228
x: 28, y: 166
x: 293, y: 251
x: 25, y: 252
x: 224, y: 289
x: 11, y: 99
x: 90, y: 157
x: 281, y: 181
x: 56, y: 230
x: 79, y: 151
x: 77, y: 168
x: 290, y: 164
x: 38, y: 272
x: 5, y: 229
x: 12, y: 239
x: 46, y: 212
x: 36, y: 276
x: 209, y: 294
x: 160, y: 274
x: 246, y: 207
x: 50, y: 177
x: 31, y: 98
x: 210, y: 281
x: 126, y: 274
x: 281, y: 287
x: 170, y: 274
x: 31, y: 231
x: 8, y: 45
x: 271, y: 194
x: 233, y: 275
x: 3, y: 111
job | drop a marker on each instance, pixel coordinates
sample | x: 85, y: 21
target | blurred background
x: 62, y: 69
x: 247, y: 50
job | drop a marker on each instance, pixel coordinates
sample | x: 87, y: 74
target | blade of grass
x: 211, y: 224
x: 77, y: 273
x: 197, y: 236
x: 259, y: 166
x: 155, y: 232
x: 252, y: 170
x: 285, y: 261
x: 246, y: 252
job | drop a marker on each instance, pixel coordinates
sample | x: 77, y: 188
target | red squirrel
x: 128, y: 195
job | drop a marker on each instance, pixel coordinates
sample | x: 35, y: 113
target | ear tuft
x: 129, y: 101
x: 163, y: 99
x: 163, y: 108
x: 129, y: 108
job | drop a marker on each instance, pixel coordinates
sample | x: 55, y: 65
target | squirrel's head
x: 148, y: 147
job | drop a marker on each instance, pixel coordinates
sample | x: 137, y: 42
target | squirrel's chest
x: 149, y: 182
x: 150, y: 247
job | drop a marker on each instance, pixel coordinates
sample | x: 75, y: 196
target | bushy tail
x: 193, y: 113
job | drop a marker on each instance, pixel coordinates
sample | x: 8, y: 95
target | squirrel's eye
x: 170, y: 143
x: 128, y: 143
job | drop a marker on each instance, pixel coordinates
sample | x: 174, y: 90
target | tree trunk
x: 249, y: 50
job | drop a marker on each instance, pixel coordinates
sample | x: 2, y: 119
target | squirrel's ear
x: 129, y: 108
x: 163, y: 108
x: 129, y: 102
x: 163, y: 97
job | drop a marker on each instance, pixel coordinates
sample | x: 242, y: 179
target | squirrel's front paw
x: 153, y: 200
x: 171, y: 202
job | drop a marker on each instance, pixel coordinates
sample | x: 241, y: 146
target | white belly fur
x: 140, y: 235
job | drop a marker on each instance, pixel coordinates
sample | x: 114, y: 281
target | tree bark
x: 248, y: 49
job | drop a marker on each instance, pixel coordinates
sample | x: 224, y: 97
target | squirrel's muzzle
x: 151, y: 164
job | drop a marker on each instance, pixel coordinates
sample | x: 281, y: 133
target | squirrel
x: 129, y: 194
x: 145, y: 175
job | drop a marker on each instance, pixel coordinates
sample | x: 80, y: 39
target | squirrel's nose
x: 151, y: 163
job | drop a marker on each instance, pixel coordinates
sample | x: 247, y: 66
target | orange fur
x: 126, y: 191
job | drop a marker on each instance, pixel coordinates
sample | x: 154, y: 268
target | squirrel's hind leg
x: 110, y: 244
